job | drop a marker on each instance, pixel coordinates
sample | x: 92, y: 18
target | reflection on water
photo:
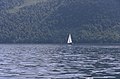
x: 59, y: 62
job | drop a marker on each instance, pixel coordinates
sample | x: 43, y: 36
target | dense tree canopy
x: 50, y: 21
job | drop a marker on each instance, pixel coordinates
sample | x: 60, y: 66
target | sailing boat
x: 69, y: 39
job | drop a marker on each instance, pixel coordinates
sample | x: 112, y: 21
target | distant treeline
x: 89, y: 21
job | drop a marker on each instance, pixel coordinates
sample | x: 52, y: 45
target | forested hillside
x: 50, y: 21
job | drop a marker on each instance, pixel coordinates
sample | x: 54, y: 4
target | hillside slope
x: 50, y: 21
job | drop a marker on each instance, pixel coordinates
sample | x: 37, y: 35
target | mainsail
x: 69, y: 39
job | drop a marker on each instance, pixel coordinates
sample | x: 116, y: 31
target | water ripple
x: 59, y: 62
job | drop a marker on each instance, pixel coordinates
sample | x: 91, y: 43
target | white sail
x: 69, y: 39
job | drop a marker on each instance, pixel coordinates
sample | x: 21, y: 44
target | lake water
x: 59, y: 61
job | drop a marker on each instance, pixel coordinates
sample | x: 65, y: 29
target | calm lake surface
x: 59, y: 61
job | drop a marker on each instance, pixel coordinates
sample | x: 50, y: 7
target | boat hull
x: 70, y: 43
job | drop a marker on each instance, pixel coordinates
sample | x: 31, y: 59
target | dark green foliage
x: 89, y: 21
